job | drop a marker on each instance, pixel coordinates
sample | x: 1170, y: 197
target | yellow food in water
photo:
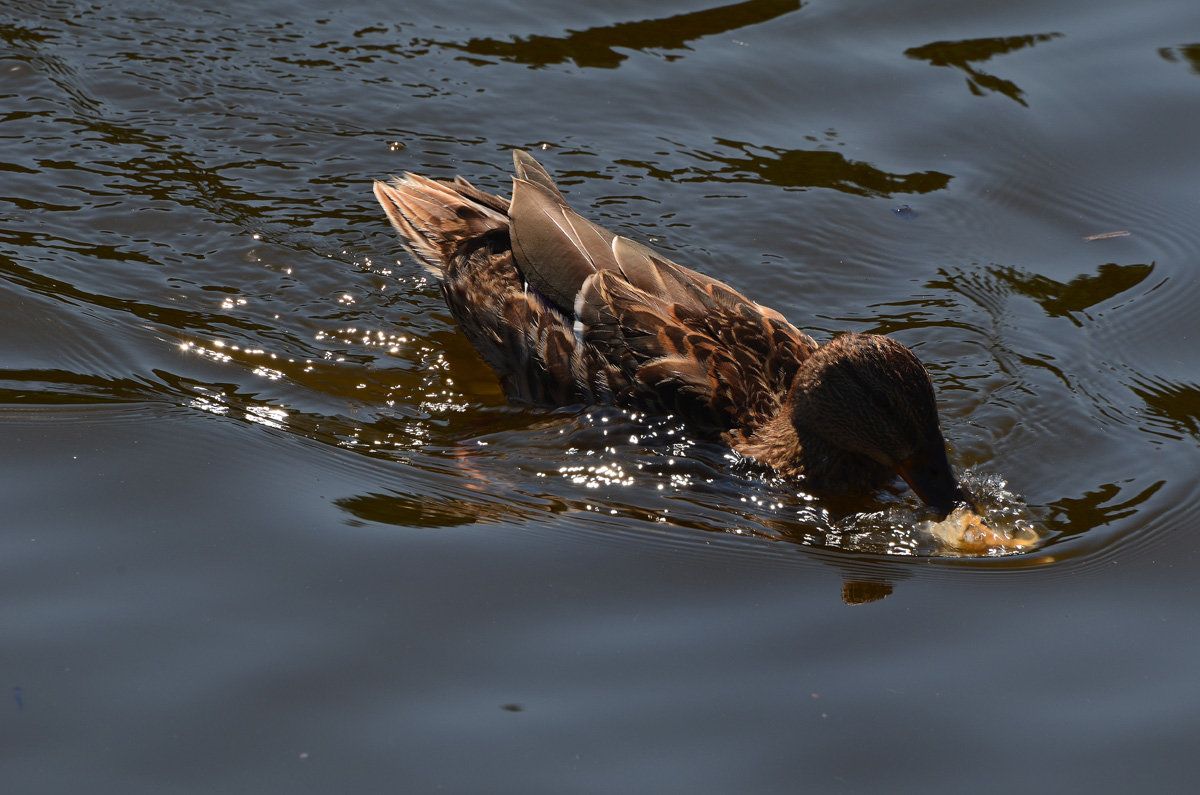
x: 964, y: 532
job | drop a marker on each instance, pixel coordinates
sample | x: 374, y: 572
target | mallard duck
x: 567, y: 312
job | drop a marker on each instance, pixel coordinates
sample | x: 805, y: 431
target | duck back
x: 567, y: 312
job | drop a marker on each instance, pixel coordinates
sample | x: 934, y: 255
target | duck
x: 567, y: 312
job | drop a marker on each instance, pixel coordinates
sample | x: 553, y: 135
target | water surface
x: 273, y: 528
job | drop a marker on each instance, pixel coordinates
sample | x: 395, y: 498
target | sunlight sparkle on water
x: 593, y: 477
x: 268, y: 416
x: 208, y: 353
x: 212, y: 406
x: 268, y: 373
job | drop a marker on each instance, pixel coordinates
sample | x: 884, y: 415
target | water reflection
x: 1072, y: 299
x: 64, y: 387
x: 1173, y: 408
x: 1087, y: 301
x: 861, y: 592
x: 1188, y: 53
x: 1102, y: 505
x: 743, y: 512
x: 599, y: 47
x: 866, y: 578
x: 644, y: 475
x: 739, y: 161
x: 422, y: 511
x: 962, y: 54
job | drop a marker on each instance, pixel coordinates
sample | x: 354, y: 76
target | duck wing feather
x: 555, y: 247
x: 689, y: 344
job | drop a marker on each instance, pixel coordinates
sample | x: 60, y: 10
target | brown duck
x: 567, y: 312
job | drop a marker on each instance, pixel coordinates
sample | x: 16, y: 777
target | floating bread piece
x: 964, y: 532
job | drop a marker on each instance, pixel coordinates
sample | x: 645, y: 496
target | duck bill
x: 928, y: 473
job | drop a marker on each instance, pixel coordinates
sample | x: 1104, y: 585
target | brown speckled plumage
x: 567, y: 313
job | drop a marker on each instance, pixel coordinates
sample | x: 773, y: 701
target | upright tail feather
x: 434, y: 218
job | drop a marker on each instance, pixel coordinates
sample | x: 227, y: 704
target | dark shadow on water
x: 742, y: 162
x: 1074, y: 298
x: 1186, y: 53
x: 861, y: 592
x: 599, y: 47
x: 962, y: 54
x: 423, y: 512
x: 1103, y: 505
x: 1173, y: 405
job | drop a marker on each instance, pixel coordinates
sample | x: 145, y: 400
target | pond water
x: 271, y: 526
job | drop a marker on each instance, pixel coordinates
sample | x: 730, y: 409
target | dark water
x: 271, y: 527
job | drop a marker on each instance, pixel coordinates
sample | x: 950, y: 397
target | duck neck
x: 776, y: 444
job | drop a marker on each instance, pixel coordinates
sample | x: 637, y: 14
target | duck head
x: 869, y: 396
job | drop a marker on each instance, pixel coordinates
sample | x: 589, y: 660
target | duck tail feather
x: 435, y: 218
